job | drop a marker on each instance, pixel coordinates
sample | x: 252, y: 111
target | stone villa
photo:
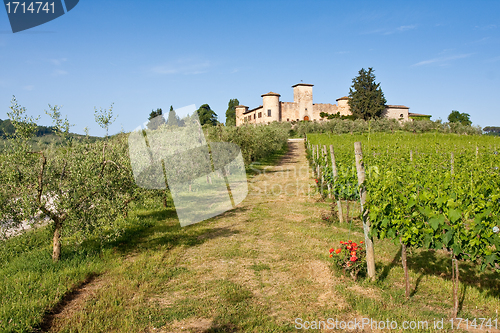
x: 303, y: 108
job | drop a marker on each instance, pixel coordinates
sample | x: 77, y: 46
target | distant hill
x: 45, y: 135
x: 6, y: 128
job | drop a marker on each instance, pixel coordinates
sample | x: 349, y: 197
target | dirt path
x: 273, y: 250
x: 261, y: 265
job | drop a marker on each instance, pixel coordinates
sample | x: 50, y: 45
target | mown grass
x: 253, y: 269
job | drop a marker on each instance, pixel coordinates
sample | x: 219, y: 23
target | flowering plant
x: 350, y: 256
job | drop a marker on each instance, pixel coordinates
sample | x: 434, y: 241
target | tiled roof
x: 397, y: 106
x: 302, y: 84
x: 418, y: 114
x: 342, y: 98
x: 270, y: 94
x: 259, y: 107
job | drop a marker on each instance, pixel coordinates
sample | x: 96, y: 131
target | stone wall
x: 289, y: 111
x: 396, y: 112
x: 328, y: 108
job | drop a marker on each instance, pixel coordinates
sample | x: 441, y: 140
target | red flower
x: 350, y: 241
x: 354, y: 244
x: 338, y: 251
x: 331, y: 250
x: 341, y: 242
x: 353, y: 253
x: 331, y: 255
x: 354, y: 258
x: 361, y: 242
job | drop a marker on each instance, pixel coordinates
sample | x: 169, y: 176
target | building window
x: 269, y: 113
x: 254, y: 116
x: 260, y: 114
x: 401, y: 116
x: 287, y: 119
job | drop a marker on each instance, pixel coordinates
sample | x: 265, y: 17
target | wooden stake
x: 405, y: 268
x: 370, y: 252
x: 335, y: 174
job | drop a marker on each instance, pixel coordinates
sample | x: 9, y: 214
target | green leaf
x: 448, y: 237
x: 489, y: 260
x: 454, y: 215
x: 427, y: 241
x: 435, y: 222
x: 456, y: 249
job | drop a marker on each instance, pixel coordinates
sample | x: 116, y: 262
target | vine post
x: 335, y: 174
x: 317, y: 161
x: 360, y: 168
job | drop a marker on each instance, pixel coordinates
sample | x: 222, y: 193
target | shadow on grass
x: 163, y: 228
x: 388, y: 267
x: 50, y: 315
x: 256, y: 168
x: 433, y: 263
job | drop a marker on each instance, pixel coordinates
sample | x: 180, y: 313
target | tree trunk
x: 165, y: 202
x: 56, y: 242
x: 347, y: 211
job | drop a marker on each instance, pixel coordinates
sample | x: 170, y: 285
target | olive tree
x: 81, y: 187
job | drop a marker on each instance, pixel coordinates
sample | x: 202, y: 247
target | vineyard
x: 114, y: 257
x: 438, y: 192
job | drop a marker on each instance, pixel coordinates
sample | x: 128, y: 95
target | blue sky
x: 434, y: 57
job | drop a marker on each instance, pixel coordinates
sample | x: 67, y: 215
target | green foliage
x: 457, y: 117
x: 420, y: 118
x: 25, y: 126
x: 231, y: 112
x: 104, y: 118
x: 350, y: 256
x: 155, y: 113
x: 81, y: 187
x: 339, y: 126
x: 256, y: 142
x: 173, y: 119
x: 492, y: 130
x: 336, y: 116
x: 206, y: 115
x: 156, y: 119
x: 6, y: 128
x: 425, y: 198
x: 366, y: 99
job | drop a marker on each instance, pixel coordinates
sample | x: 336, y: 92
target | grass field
x: 256, y: 268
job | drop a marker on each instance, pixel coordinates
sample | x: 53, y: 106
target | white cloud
x: 59, y: 72
x: 186, y: 67
x: 406, y: 27
x: 486, y: 27
x: 391, y: 31
x: 443, y: 61
x: 58, y: 62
